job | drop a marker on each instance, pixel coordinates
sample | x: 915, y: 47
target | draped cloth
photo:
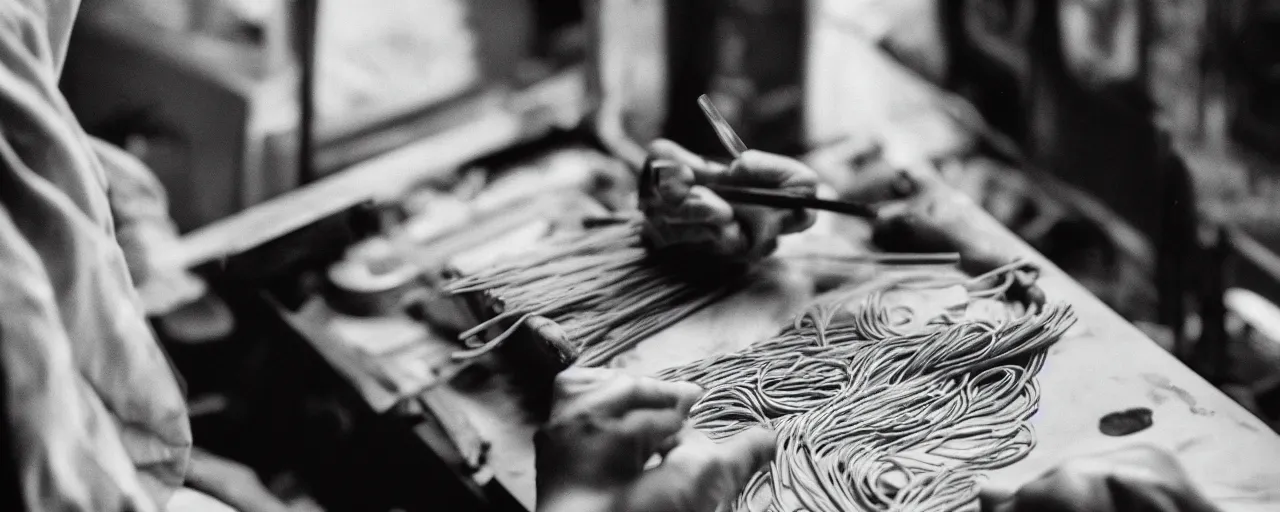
x: 94, y: 416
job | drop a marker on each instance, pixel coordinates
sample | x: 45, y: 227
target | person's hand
x: 605, y: 426
x: 682, y: 212
x: 1135, y: 479
x: 917, y: 212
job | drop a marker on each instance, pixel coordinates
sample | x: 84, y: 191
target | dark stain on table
x: 1162, y: 383
x: 1126, y: 422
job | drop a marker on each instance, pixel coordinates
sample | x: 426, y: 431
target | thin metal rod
x: 885, y: 258
x: 765, y: 197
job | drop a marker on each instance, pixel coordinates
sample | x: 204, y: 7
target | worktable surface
x: 1103, y: 365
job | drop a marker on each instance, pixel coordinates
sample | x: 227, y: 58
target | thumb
x: 699, y: 475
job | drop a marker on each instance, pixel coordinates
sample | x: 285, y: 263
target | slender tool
x: 728, y: 137
x: 767, y: 197
x: 886, y: 258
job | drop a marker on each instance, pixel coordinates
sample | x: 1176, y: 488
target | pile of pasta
x: 599, y: 287
x: 877, y: 410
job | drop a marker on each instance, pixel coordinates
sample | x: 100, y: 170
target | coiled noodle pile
x: 872, y: 418
x: 873, y: 409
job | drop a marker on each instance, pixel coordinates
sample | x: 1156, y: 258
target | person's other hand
x: 605, y: 426
x: 917, y: 212
x: 682, y: 212
x: 1135, y: 479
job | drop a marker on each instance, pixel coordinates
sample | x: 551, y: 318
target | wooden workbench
x: 1103, y: 365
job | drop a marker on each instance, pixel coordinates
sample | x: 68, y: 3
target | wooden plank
x: 493, y: 121
x: 1256, y: 267
x: 1259, y: 313
x: 487, y: 133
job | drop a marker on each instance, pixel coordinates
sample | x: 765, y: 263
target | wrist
x: 576, y: 501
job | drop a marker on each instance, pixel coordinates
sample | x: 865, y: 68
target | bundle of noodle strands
x: 880, y: 404
x: 599, y: 287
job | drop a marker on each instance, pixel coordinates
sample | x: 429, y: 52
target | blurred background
x: 1136, y: 143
